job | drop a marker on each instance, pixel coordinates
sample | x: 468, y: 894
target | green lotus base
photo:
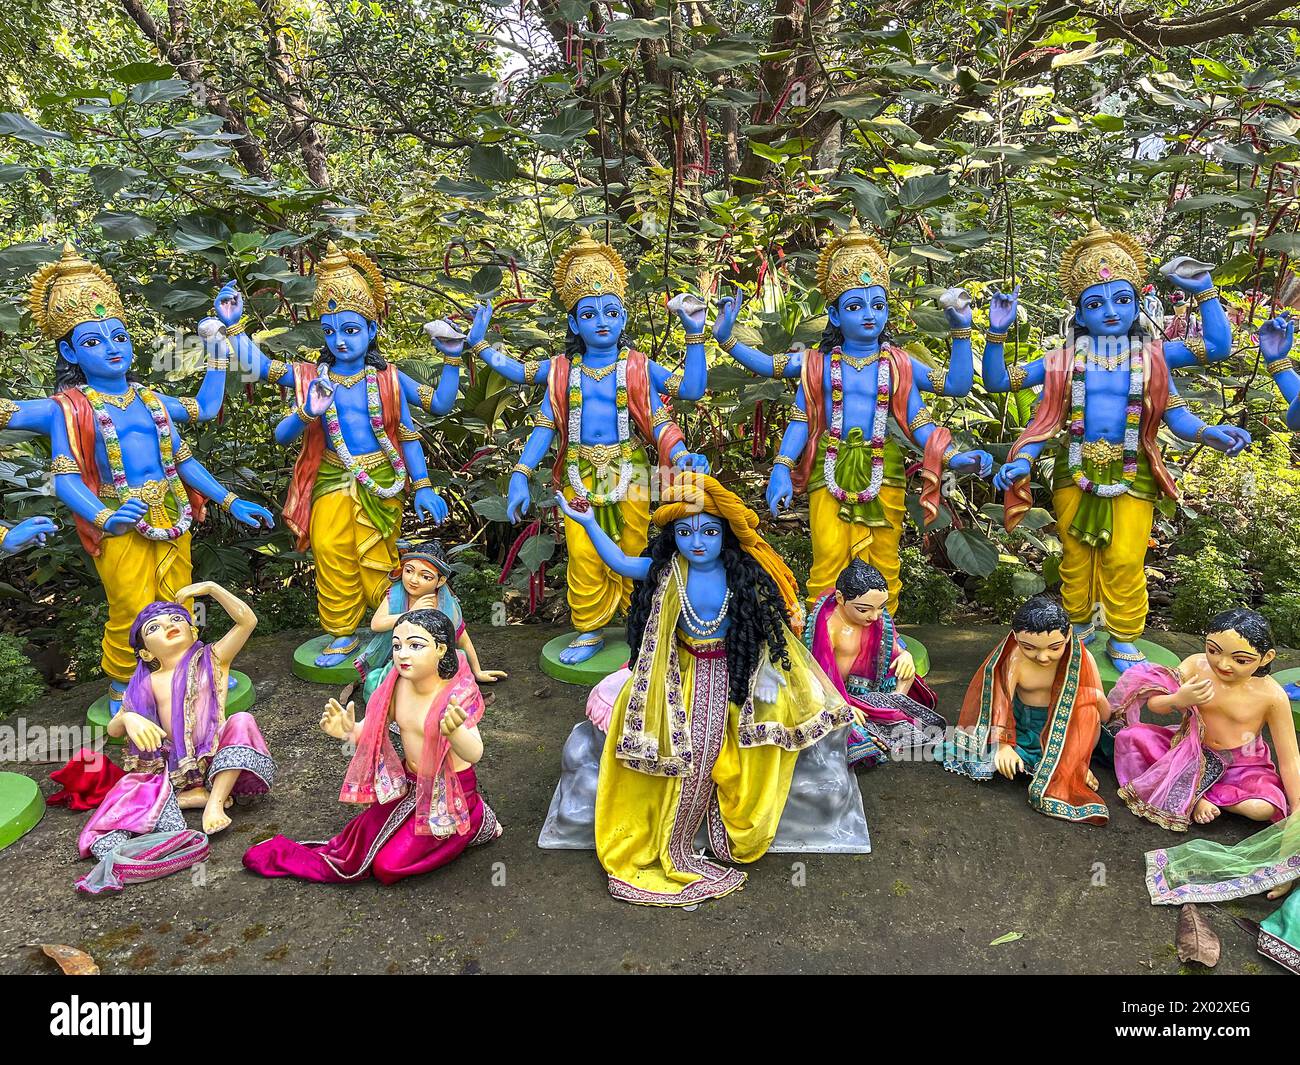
x: 304, y: 662
x: 920, y: 655
x: 611, y: 658
x: 241, y: 697
x: 21, y: 807
x: 1291, y: 676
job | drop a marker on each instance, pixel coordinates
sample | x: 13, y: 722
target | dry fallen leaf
x: 1196, y: 940
x: 72, y: 961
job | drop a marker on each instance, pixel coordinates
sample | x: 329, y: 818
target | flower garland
x: 113, y: 448
x: 376, y: 411
x: 625, y: 470
x: 1132, y: 424
x: 879, y: 426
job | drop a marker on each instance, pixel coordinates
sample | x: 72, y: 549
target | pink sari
x: 377, y: 775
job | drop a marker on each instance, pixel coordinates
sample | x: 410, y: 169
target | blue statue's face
x: 699, y: 538
x: 860, y: 314
x: 1108, y: 309
x: 102, y: 349
x: 599, y: 321
x: 348, y: 334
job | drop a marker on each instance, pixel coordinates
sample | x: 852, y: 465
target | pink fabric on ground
x: 240, y: 730
x: 380, y: 841
x: 133, y: 805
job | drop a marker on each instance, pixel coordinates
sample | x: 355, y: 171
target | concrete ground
x: 955, y: 866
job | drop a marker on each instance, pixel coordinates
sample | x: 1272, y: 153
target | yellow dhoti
x: 597, y: 593
x: 354, y: 540
x: 135, y: 572
x: 836, y: 542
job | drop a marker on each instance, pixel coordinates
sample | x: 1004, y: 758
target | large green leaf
x: 971, y: 552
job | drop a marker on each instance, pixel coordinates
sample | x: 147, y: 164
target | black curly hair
x: 1251, y: 626
x: 757, y: 612
x: 439, y: 626
x: 1040, y: 614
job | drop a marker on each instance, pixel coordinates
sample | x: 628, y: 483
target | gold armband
x: 922, y: 417
x: 1175, y: 402
x: 1196, y: 345
x: 275, y: 371
x: 995, y: 338
x: 728, y: 344
x: 8, y: 408
x: 424, y: 396
x: 1208, y: 294
x: 405, y: 434
x: 63, y: 464
x: 303, y: 416
x: 183, y: 453
x: 482, y: 345
x: 236, y: 329
x: 938, y: 378
x: 4, y: 531
x: 662, y: 416
x: 423, y: 482
x: 696, y: 338
x: 101, y: 519
x: 784, y: 460
x: 673, y: 385
x: 1018, y: 376
x: 191, y: 406
x: 1282, y: 362
x: 451, y: 360
x: 527, y: 471
x: 542, y: 421
x: 531, y: 367
x: 779, y: 363
x: 797, y: 415
x: 960, y: 334
x: 230, y: 500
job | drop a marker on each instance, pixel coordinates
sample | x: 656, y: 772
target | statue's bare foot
x: 194, y: 799
x: 337, y: 651
x: 1092, y: 780
x: 215, y: 817
x: 584, y: 646
x: 1205, y: 812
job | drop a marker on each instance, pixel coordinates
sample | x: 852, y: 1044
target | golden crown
x: 71, y: 291
x: 589, y: 268
x: 348, y: 281
x: 852, y: 259
x: 1102, y: 256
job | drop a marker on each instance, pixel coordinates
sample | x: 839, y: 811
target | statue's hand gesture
x: 1194, y: 693
x: 446, y: 337
x: 229, y: 304
x: 579, y: 510
x: 482, y: 319
x: 1230, y: 439
x: 320, y: 396
x: 780, y: 489
x: 145, y: 734
x: 1002, y: 310
x: 32, y: 530
x: 956, y: 308
x: 519, y: 497
x: 1010, y: 473
x: 1008, y: 762
x: 1276, y: 336
x: 339, y: 721
x: 728, y: 312
x: 126, y: 517
x: 452, y: 718
x: 904, y: 666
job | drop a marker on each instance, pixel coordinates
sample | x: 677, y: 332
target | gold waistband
x: 367, y: 462
x: 1102, y: 452
x: 154, y: 493
x: 601, y: 455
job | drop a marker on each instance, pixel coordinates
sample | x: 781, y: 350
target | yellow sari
x: 680, y: 753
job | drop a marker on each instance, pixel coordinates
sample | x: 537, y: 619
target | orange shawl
x: 638, y: 403
x: 813, y: 380
x: 1059, y: 787
x: 297, y: 504
x: 1053, y: 410
x: 83, y: 433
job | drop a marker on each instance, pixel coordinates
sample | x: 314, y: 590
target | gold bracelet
x: 948, y: 453
x: 230, y: 500
x: 673, y: 385
x: 482, y: 345
x: 275, y: 371
x: 101, y: 519
x: 4, y: 531
x: 8, y: 408
x: 784, y: 460
x: 1175, y: 402
x: 960, y: 334
x: 728, y: 344
x: 994, y: 338
x: 1196, y: 345
x: 527, y: 471
x: 1018, y: 374
x: 1208, y: 294
x: 696, y: 338
x: 62, y: 464
x: 423, y: 482
x: 938, y: 378
x: 1200, y: 433
x: 1281, y: 363
x: 191, y: 406
x: 236, y: 329
x: 797, y: 415
x: 531, y: 367
x: 922, y: 417
x: 541, y: 421
x: 303, y: 416
x: 451, y: 360
x: 406, y: 435
x: 779, y: 363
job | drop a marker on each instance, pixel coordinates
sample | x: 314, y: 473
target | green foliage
x: 1283, y: 612
x: 20, y: 684
x: 929, y: 597
x: 795, y: 550
x: 1208, y: 581
x: 1006, y: 588
x: 82, y: 634
x: 475, y: 582
x: 287, y: 607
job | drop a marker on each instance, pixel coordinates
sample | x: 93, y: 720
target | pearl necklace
x: 702, y: 627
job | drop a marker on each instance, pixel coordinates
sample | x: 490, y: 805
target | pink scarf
x: 376, y: 774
